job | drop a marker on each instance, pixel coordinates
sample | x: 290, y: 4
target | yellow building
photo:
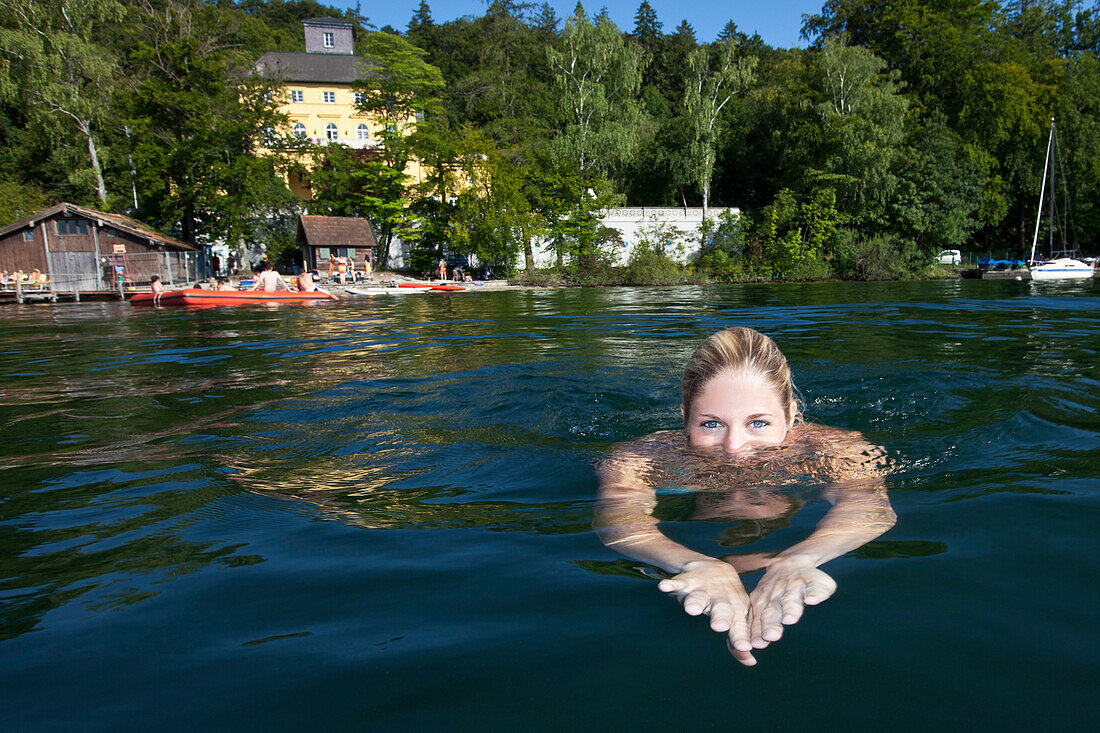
x: 318, y: 97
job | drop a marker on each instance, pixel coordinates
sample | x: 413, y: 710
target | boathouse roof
x: 335, y: 231
x: 118, y: 221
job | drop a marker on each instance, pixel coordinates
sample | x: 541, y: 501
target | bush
x: 880, y: 257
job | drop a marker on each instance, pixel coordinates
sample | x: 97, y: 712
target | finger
x: 745, y: 658
x: 671, y: 585
x: 738, y: 637
x: 792, y: 605
x: 696, y: 602
x: 721, y: 616
x: 771, y: 625
x: 819, y: 589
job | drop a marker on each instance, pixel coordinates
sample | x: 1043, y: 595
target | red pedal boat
x: 198, y: 296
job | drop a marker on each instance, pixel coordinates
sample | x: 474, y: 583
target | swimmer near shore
x: 745, y: 456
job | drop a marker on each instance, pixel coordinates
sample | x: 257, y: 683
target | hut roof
x: 118, y: 221
x: 335, y: 231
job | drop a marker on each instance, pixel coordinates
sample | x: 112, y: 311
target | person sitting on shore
x: 268, y: 280
x: 744, y: 456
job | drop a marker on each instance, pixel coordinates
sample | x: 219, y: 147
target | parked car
x: 949, y: 257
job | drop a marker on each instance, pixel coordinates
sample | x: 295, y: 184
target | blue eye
x: 711, y: 424
x: 759, y: 424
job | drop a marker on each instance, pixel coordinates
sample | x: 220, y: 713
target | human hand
x: 781, y: 595
x: 712, y: 587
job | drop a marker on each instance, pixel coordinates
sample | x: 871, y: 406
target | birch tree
x: 52, y: 64
x: 597, y: 74
x: 716, y: 74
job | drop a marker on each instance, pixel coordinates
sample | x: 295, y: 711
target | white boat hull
x: 382, y: 291
x: 1063, y: 268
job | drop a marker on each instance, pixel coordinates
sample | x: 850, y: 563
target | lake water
x: 376, y: 515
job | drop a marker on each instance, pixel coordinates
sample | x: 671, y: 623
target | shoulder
x: 848, y: 452
x: 634, y: 457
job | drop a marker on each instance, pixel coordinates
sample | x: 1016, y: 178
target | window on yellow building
x: 330, y: 132
x: 297, y: 95
x: 299, y: 130
x: 328, y: 97
x: 362, y: 133
x: 360, y: 98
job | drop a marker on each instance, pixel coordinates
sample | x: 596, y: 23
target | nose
x: 736, y: 441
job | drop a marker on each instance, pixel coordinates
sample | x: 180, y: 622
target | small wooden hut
x: 323, y: 237
x: 85, y: 250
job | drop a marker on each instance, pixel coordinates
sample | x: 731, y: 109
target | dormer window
x: 330, y: 40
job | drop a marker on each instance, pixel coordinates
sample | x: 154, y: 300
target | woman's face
x: 736, y: 412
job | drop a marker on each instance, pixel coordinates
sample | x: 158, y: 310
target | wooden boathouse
x: 84, y: 251
x: 323, y: 237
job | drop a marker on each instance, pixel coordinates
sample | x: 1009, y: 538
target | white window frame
x: 362, y: 132
x: 328, y: 97
x: 297, y: 96
x: 331, y: 132
x: 360, y: 97
x: 299, y: 130
x: 329, y: 39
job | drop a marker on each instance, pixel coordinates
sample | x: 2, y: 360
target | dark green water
x: 377, y: 515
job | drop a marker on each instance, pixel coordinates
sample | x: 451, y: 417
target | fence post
x: 18, y: 290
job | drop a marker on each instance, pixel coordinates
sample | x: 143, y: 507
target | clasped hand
x: 749, y: 620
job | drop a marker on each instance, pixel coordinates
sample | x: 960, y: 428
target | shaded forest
x: 903, y: 128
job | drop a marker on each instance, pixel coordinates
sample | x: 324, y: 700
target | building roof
x: 335, y: 231
x: 329, y: 22
x: 118, y: 221
x: 315, y: 67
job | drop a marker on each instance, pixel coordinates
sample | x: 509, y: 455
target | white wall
x: 632, y: 222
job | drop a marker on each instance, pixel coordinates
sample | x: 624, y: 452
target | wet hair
x: 734, y: 350
x: 154, y: 278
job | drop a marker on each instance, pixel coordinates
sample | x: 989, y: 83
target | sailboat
x: 1062, y: 265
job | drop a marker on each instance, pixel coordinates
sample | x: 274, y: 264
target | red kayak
x: 198, y: 296
x: 448, y: 288
x: 415, y: 285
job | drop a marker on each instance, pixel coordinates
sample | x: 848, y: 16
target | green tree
x: 204, y: 145
x: 53, y: 63
x: 399, y: 87
x: 597, y: 76
x: 716, y: 73
x: 863, y: 114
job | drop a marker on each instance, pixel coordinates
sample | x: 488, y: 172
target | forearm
x: 850, y: 523
x: 631, y: 531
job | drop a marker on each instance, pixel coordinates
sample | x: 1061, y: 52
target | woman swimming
x: 743, y: 454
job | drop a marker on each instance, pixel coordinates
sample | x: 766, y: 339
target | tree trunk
x: 101, y: 188
x: 387, y: 239
x: 528, y: 252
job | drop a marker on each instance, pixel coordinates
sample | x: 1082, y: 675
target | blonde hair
x: 739, y: 349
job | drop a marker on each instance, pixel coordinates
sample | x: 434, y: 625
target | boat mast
x: 1042, y: 191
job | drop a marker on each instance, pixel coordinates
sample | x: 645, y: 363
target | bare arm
x: 861, y: 511
x: 703, y: 584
